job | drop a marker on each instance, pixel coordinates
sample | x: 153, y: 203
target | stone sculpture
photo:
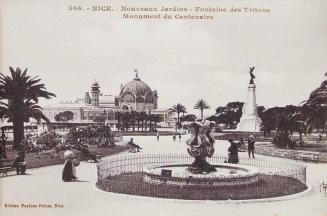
x: 200, y: 147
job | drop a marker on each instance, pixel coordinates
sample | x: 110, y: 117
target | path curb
x: 304, y: 193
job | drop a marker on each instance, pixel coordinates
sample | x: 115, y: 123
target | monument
x: 250, y: 120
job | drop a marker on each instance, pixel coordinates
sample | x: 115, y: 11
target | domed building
x: 134, y: 96
x: 138, y: 96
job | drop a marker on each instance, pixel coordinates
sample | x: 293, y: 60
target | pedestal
x: 250, y: 120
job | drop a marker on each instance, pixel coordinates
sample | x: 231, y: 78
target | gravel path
x: 44, y: 186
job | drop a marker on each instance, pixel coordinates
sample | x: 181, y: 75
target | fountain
x: 200, y: 146
x: 200, y: 171
x: 200, y: 175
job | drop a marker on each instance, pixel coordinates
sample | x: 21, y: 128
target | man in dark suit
x: 251, y: 142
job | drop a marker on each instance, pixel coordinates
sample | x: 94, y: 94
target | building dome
x: 136, y: 90
x: 137, y: 95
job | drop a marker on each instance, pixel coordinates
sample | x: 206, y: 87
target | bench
x: 89, y: 156
x: 131, y: 149
x: 306, y: 156
x: 296, y: 156
x: 5, y: 166
x: 94, y: 159
x: 312, y: 157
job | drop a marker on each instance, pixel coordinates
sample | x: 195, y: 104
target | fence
x: 125, y: 174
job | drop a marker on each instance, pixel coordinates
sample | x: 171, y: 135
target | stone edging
x: 307, y: 192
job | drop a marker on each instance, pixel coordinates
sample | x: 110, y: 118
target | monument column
x: 251, y: 100
x: 250, y: 120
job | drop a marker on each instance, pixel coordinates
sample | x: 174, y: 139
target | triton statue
x: 252, y: 75
x: 200, y: 146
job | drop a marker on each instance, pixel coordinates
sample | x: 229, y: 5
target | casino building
x: 136, y: 95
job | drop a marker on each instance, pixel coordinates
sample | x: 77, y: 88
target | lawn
x: 48, y: 158
x: 268, y: 186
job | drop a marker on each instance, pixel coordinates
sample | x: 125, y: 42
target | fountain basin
x: 178, y: 174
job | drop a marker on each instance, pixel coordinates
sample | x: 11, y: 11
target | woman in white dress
x: 69, y: 171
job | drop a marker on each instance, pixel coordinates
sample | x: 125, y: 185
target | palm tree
x: 156, y: 119
x: 150, y: 119
x: 142, y: 117
x: 288, y: 120
x: 134, y: 113
x: 138, y: 118
x: 317, y: 106
x: 179, y: 108
x: 201, y: 105
x: 118, y: 119
x: 19, y: 97
x: 126, y: 117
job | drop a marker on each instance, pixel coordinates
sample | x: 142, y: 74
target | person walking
x: 69, y: 171
x: 180, y: 137
x: 233, y: 152
x: 158, y: 135
x: 251, y: 142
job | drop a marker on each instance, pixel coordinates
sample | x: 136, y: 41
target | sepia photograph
x: 163, y: 107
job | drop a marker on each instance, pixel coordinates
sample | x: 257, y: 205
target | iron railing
x: 125, y: 174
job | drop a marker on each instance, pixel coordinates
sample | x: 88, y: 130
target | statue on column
x: 200, y: 147
x: 252, y: 75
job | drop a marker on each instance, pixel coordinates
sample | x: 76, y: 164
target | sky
x: 183, y: 60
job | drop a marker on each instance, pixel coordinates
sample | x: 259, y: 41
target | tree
x: 179, y: 108
x: 19, y: 97
x: 156, y: 119
x: 189, y: 117
x: 285, y: 121
x: 230, y: 114
x: 288, y: 120
x: 133, y: 113
x: 142, y: 117
x: 316, y: 107
x: 126, y: 116
x: 64, y: 116
x: 201, y: 105
x: 139, y: 119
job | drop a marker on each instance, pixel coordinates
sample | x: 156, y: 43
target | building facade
x: 136, y: 95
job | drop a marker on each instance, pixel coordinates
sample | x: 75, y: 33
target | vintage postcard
x: 163, y: 107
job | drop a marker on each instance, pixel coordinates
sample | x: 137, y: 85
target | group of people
x: 179, y: 137
x: 234, y: 148
x: 69, y: 170
x: 174, y: 136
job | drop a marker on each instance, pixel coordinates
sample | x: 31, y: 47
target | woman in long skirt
x: 69, y: 171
